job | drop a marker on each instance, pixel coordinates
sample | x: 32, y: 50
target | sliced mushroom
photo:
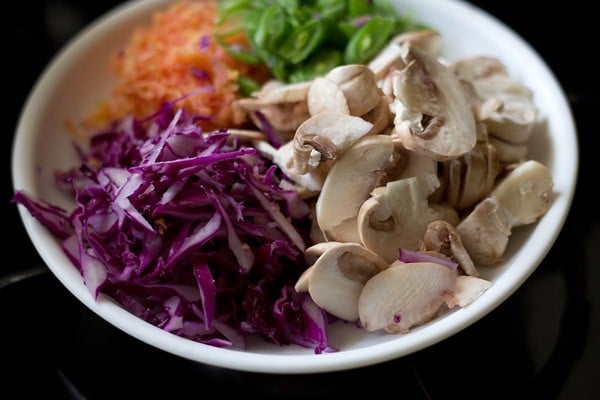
x: 315, y: 251
x: 470, y: 178
x: 526, y: 192
x: 309, y: 184
x: 505, y: 105
x: 381, y: 117
x: 311, y: 255
x: 350, y: 180
x: 442, y: 237
x: 276, y: 92
x: 433, y: 113
x: 466, y: 291
x: 395, y: 217
x: 326, y: 136
x: 424, y: 169
x: 485, y: 232
x: 284, y: 106
x: 358, y: 84
x: 404, y: 295
x: 338, y: 276
x: 523, y: 196
x: 390, y: 57
x: 509, y: 152
x: 427, y: 40
x: 326, y: 96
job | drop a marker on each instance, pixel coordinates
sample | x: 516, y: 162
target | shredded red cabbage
x: 190, y: 231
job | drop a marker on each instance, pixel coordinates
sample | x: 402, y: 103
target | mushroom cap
x: 433, y: 111
x: 338, y: 276
x: 395, y: 216
x: 404, y: 295
x: 347, y: 185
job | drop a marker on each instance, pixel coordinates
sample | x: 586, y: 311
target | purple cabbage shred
x: 190, y: 231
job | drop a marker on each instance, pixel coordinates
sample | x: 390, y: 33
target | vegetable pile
x: 283, y: 166
x: 191, y: 232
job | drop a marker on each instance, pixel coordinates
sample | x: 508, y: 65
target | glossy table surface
x: 543, y: 342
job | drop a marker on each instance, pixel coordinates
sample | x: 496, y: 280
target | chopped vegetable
x: 299, y: 41
x: 177, y: 57
x: 190, y: 231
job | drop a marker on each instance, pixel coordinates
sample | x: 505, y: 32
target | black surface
x: 542, y: 343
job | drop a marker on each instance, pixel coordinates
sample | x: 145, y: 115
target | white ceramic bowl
x: 78, y: 78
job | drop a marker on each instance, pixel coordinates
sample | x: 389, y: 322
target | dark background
x: 542, y: 343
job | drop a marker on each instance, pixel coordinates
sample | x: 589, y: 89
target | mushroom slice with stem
x: 520, y: 198
x: 395, y: 217
x: 348, y: 184
x: 338, y: 276
x: 404, y: 295
x: 309, y: 184
x: 433, y: 113
x: 442, y: 237
x: 326, y: 136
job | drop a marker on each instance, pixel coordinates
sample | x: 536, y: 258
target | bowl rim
x: 548, y: 229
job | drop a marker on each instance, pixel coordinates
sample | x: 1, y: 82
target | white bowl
x: 78, y: 78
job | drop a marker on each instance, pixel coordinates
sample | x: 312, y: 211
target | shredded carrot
x: 177, y: 57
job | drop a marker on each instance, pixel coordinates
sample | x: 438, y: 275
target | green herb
x: 299, y: 40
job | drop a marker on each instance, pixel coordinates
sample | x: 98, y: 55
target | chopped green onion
x: 301, y: 39
x: 369, y: 39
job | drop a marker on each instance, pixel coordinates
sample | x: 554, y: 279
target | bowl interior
x: 78, y: 78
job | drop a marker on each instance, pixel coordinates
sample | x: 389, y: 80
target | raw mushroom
x: 325, y: 95
x: 404, y: 295
x: 310, y: 184
x: 442, y: 237
x: 395, y: 216
x: 470, y: 178
x: 509, y: 152
x: 336, y: 279
x: 284, y: 106
x: 381, y: 117
x: 520, y: 198
x: 326, y: 136
x: 503, y: 104
x: 424, y: 168
x: 358, y: 84
x: 433, y: 113
x: 466, y: 291
x: 350, y: 180
x: 390, y: 58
